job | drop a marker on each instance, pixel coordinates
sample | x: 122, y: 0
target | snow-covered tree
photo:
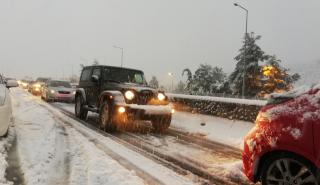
x: 248, y: 60
x: 154, y: 83
x: 189, y: 78
x: 205, y: 80
x: 276, y: 78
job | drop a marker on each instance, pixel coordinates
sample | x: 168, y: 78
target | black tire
x: 46, y: 99
x: 284, y: 169
x: 79, y: 108
x: 105, y: 118
x: 161, y: 123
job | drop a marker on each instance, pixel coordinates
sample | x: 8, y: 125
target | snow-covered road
x: 221, y: 162
x: 54, y: 152
x: 52, y: 148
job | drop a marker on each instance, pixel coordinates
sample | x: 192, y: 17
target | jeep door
x: 85, y: 82
x: 96, y: 86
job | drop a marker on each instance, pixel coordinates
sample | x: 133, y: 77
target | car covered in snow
x: 284, y: 145
x: 57, y: 90
x: 5, y: 105
x: 120, y: 96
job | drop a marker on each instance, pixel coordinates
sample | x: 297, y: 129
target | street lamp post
x: 171, y: 75
x: 121, y: 53
x: 245, y: 51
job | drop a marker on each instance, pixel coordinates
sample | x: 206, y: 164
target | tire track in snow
x: 13, y: 171
x: 205, y: 168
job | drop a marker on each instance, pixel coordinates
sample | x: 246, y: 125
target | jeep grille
x: 144, y: 97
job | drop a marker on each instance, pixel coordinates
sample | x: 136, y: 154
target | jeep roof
x: 113, y: 67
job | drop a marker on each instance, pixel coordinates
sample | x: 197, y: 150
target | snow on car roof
x: 296, y: 92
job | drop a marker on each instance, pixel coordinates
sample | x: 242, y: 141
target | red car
x: 284, y: 146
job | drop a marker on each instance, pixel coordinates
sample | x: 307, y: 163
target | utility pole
x: 245, y: 51
x: 121, y: 54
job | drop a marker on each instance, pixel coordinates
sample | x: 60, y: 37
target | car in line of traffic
x: 5, y: 104
x: 57, y: 90
x: 120, y: 96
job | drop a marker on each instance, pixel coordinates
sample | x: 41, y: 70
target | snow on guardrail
x: 219, y: 99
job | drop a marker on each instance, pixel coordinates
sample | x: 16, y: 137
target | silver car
x: 5, y: 105
x: 56, y: 90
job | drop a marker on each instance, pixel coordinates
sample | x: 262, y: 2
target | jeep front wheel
x: 105, y: 118
x: 79, y: 108
x: 161, y: 123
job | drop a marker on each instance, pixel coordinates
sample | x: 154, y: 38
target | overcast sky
x: 52, y: 37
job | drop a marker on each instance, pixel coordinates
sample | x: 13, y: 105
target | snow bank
x: 52, y: 153
x: 89, y: 164
x: 5, y: 144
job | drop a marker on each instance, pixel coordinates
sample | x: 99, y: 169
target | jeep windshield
x: 59, y: 84
x: 123, y: 75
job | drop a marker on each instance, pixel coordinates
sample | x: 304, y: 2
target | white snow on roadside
x: 51, y: 153
x: 221, y: 130
x: 5, y: 144
x: 98, y: 167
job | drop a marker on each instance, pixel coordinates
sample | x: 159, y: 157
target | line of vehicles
x: 283, y: 148
x: 50, y: 90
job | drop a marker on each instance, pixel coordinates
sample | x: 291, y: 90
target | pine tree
x: 154, y: 83
x: 248, y: 60
x: 276, y: 78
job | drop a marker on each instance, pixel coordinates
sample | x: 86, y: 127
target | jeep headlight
x: 161, y: 96
x: 129, y: 95
x: 37, y: 85
x: 52, y: 91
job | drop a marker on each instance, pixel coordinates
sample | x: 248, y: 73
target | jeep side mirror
x: 11, y: 83
x: 95, y: 78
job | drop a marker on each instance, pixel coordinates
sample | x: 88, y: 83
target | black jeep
x: 120, y: 96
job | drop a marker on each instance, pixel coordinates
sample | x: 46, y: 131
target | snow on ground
x: 225, y: 131
x: 216, y: 129
x: 5, y: 144
x: 221, y: 130
x: 52, y: 154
